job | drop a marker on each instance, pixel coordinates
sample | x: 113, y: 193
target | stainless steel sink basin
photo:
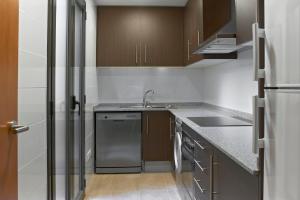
x: 148, y: 107
x: 132, y: 106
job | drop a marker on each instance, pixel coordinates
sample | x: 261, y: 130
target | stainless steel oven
x: 184, y: 162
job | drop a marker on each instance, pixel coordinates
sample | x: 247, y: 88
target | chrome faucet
x: 145, y: 102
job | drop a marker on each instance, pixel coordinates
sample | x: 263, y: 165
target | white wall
x: 127, y: 85
x: 230, y: 85
x: 91, y: 83
x: 32, y: 99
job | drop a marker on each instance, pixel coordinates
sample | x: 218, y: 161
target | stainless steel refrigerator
x: 281, y: 142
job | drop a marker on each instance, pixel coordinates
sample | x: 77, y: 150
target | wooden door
x: 162, y: 36
x: 118, y: 31
x: 157, y: 141
x: 9, y: 15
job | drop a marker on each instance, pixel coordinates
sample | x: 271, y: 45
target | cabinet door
x: 157, y: 145
x: 118, y: 36
x: 162, y: 36
x: 172, y: 125
x: 232, y: 182
x: 245, y: 17
x: 193, y: 30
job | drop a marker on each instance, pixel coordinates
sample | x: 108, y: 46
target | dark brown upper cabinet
x: 118, y: 37
x: 161, y: 36
x: 202, y: 19
x: 192, y: 31
x: 245, y: 16
x: 140, y: 36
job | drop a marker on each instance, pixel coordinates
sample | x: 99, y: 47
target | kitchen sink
x: 148, y: 107
x: 132, y: 106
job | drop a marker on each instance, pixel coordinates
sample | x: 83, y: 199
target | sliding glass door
x: 76, y: 93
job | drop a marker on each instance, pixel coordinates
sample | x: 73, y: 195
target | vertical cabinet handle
x: 257, y: 34
x: 213, y: 187
x: 198, y: 38
x: 146, y: 53
x: 136, y: 54
x: 211, y: 177
x: 188, y: 50
x: 256, y: 143
x: 170, y: 124
x: 140, y: 53
x: 147, y: 125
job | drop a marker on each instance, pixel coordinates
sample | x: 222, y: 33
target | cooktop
x: 218, y: 121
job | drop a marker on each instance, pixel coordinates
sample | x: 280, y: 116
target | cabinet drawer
x: 202, y: 175
x: 200, y: 192
x: 201, y: 153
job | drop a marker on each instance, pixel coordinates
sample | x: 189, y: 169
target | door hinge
x: 261, y: 143
x: 85, y: 15
x: 84, y: 183
x: 51, y: 108
x: 84, y: 99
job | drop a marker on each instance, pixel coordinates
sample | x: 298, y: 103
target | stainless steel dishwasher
x: 118, y: 142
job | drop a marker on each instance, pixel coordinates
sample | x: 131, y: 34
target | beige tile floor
x: 145, y: 186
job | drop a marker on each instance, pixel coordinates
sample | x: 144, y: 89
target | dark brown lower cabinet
x: 218, y: 177
x: 231, y: 181
x: 157, y: 136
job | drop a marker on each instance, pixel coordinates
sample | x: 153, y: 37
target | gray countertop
x: 235, y: 142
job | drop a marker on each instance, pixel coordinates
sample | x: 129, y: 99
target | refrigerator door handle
x: 257, y: 143
x: 257, y: 34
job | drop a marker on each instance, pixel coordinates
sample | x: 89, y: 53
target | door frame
x: 51, y: 49
x: 69, y: 94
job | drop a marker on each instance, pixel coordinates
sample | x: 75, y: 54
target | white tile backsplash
x: 127, y: 85
x: 230, y: 85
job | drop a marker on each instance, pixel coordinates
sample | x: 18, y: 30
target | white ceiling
x: 141, y: 2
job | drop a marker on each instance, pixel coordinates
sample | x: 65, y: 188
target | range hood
x: 224, y: 40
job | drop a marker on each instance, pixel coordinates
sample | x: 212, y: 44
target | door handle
x: 257, y: 34
x: 257, y: 143
x: 75, y: 103
x: 15, y: 128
